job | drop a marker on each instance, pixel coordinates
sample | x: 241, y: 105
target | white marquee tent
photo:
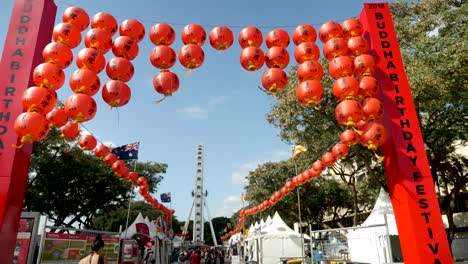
x: 371, y: 245
x: 274, y: 240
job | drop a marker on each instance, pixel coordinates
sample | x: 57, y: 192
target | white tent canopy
x: 274, y: 241
x: 370, y: 245
x: 131, y: 230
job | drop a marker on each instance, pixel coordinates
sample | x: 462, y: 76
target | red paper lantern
x: 67, y: 34
x: 85, y: 81
x: 349, y: 137
x: 133, y: 176
x: 357, y: 45
x: 221, y: 38
x: 368, y: 86
x: 120, y: 69
x: 345, y: 88
x: 309, y: 92
x: 116, y: 93
x: 76, y: 16
x: 289, y: 186
x: 348, y: 112
x: 105, y: 21
x: 141, y: 181
x: 335, y: 47
x: 301, y: 179
x: 285, y: 191
x: 125, y: 47
x: 318, y: 166
x: 166, y: 83
x: 313, y: 173
x: 278, y: 38
x: 193, y: 34
x: 304, y: 33
x: 352, y: 27
x: 109, y: 159
x: 132, y: 28
x: 328, y: 159
x: 341, y: 66
x: 274, y: 80
x: 364, y: 65
x: 80, y: 107
x: 191, y: 56
x: 250, y: 37
x: 57, y: 117
x: 31, y: 126
x: 91, y: 59
x: 306, y: 51
x: 70, y: 130
x: 87, y: 142
x: 373, y: 135
x: 309, y: 70
x: 38, y: 99
x: 277, y: 57
x: 163, y: 57
x: 372, y: 109
x: 340, y: 150
x: 252, y: 58
x: 101, y: 151
x: 118, y: 167
x: 49, y: 76
x: 58, y: 53
x: 124, y: 172
x: 162, y: 34
x: 99, y: 39
x: 329, y: 30
x: 361, y: 124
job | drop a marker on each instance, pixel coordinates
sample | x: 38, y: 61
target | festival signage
x: 26, y: 238
x: 420, y: 228
x: 70, y: 248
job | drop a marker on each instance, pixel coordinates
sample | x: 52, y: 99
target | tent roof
x: 279, y: 228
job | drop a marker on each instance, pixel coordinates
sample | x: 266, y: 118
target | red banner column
x: 419, y: 221
x: 30, y: 30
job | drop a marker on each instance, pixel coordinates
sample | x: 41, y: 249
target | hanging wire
x: 154, y: 21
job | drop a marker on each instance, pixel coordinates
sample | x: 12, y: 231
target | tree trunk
x: 355, y: 203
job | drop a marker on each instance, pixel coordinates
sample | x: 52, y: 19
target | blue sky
x: 217, y: 105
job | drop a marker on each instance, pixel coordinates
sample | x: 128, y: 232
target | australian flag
x: 166, y: 197
x: 127, y: 152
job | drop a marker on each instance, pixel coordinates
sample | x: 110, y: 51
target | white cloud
x: 231, y: 204
x: 238, y: 177
x: 194, y: 111
x: 197, y: 111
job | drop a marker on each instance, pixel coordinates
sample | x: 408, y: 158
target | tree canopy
x: 71, y: 186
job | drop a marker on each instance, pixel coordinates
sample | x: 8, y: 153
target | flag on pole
x: 298, y: 149
x: 243, y: 198
x: 166, y: 197
x: 127, y: 152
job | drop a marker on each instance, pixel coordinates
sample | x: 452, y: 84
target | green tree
x: 432, y: 36
x: 219, y: 223
x: 72, y: 187
x: 319, y: 131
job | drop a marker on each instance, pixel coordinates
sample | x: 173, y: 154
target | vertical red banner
x: 30, y: 29
x: 419, y: 221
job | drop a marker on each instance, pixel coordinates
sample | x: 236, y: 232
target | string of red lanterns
x: 345, y: 48
x: 352, y: 69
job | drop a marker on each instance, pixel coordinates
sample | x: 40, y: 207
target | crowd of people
x: 197, y: 256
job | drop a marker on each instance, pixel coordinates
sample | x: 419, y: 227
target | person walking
x: 96, y: 250
x: 195, y: 257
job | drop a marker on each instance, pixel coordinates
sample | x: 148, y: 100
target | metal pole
x: 130, y: 201
x: 299, y: 207
x: 389, y: 249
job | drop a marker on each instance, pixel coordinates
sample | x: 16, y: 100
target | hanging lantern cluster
x: 39, y: 101
x: 191, y: 54
x: 274, y: 79
x: 352, y: 68
x: 119, y: 69
x: 163, y: 57
x: 310, y: 91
